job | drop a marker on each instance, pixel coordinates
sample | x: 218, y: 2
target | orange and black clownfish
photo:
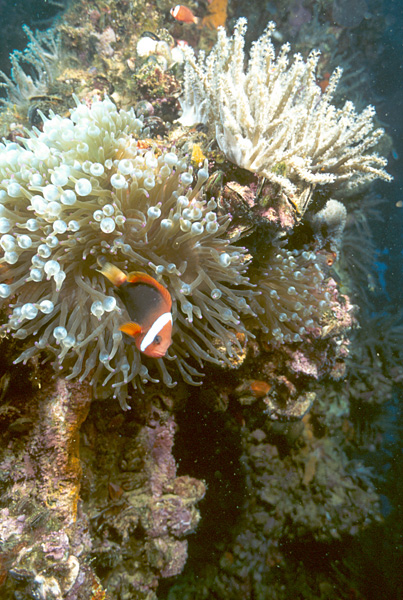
x: 183, y: 14
x: 149, y: 306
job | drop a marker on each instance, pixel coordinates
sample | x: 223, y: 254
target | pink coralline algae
x: 105, y: 39
x: 301, y: 364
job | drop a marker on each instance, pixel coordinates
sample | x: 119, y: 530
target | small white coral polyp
x: 83, y: 188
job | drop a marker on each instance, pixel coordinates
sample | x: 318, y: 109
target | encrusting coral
x: 65, y: 504
x: 41, y: 512
x: 272, y: 119
x: 296, y: 502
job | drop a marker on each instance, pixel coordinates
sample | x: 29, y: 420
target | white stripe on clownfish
x: 155, y: 330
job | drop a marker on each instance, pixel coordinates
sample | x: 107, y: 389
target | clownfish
x: 183, y: 14
x: 149, y: 306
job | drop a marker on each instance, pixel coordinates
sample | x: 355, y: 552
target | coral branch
x: 272, y: 118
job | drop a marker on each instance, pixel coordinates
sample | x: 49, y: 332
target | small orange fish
x: 259, y: 388
x: 197, y: 155
x: 183, y: 14
x: 324, y: 82
x: 149, y: 306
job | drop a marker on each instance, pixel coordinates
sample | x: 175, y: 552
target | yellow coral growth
x: 197, y: 155
x: 216, y: 14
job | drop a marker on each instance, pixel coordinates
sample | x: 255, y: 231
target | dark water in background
x: 388, y: 79
x: 37, y: 14
x: 386, y: 92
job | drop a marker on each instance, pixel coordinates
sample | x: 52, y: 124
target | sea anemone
x: 85, y: 187
x: 292, y: 295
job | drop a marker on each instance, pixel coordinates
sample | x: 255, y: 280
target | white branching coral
x: 32, y: 70
x: 83, y: 188
x: 273, y: 119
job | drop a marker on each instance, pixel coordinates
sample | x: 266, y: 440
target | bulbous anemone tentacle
x: 82, y: 189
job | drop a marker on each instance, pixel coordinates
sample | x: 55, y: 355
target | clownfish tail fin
x: 114, y: 274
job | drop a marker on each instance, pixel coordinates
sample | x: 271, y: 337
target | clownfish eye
x: 157, y: 339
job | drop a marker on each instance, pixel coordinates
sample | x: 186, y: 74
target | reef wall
x: 242, y: 183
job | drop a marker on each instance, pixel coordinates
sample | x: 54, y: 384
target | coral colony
x: 273, y: 119
x: 85, y: 187
x: 42, y: 55
x: 242, y: 225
